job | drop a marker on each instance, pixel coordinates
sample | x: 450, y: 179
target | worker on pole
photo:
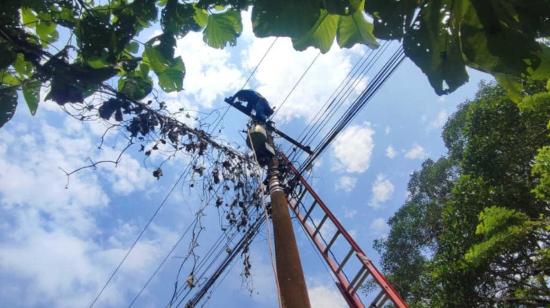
x: 257, y: 106
x: 290, y: 276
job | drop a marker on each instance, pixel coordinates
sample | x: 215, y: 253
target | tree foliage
x: 474, y: 231
x: 505, y: 38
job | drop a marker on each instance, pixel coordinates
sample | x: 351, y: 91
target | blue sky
x: 58, y: 245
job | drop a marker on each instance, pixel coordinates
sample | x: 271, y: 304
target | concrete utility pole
x: 290, y: 275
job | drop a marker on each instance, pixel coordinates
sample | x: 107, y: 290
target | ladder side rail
x: 376, y: 274
x: 343, y: 284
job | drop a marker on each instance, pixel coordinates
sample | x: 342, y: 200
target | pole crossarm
x: 268, y: 125
x: 351, y: 269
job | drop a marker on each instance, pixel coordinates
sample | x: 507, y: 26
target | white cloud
x: 382, y: 191
x: 416, y: 152
x: 352, y: 149
x: 325, y: 297
x: 391, y: 152
x: 282, y: 68
x: 209, y: 72
x: 346, y: 183
x: 51, y: 246
x: 349, y: 213
x: 387, y: 130
x: 379, y: 227
x: 439, y: 120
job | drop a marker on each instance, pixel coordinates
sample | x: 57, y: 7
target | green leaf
x: 321, y: 35
x: 28, y: 17
x: 436, y: 51
x: 201, y: 17
x: 31, y: 93
x: 512, y: 85
x: 293, y: 18
x: 180, y: 18
x: 355, y: 29
x: 172, y: 79
x: 46, y: 30
x: 96, y: 62
x: 135, y: 87
x: 132, y: 47
x: 488, y: 29
x: 8, y: 104
x: 223, y: 28
x: 8, y: 79
x: 169, y: 71
x: 22, y: 67
x: 156, y: 60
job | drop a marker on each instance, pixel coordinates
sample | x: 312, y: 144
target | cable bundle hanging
x: 383, y: 74
x: 239, y: 247
x: 339, y: 96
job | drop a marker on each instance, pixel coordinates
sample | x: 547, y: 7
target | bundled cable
x: 383, y: 74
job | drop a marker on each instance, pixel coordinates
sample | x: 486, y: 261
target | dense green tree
x: 505, y: 38
x: 474, y: 231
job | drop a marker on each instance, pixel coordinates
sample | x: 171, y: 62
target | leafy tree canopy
x: 505, y: 38
x: 474, y: 232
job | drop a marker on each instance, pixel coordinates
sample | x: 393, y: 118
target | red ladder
x: 327, y: 233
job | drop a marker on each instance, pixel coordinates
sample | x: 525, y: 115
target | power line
x: 296, y: 84
x: 389, y: 67
x: 250, y: 76
x: 155, y: 213
x: 161, y: 205
x: 340, y: 95
x: 243, y: 242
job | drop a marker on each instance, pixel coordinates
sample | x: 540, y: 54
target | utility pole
x: 290, y: 276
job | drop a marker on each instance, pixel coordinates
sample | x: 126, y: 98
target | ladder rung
x: 331, y: 241
x: 360, y: 282
x: 346, y: 258
x: 374, y: 303
x: 302, y: 194
x: 309, y: 211
x: 358, y: 279
x: 319, y: 226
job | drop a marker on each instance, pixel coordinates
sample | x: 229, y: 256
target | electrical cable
x: 243, y: 242
x: 338, y: 97
x: 296, y: 84
x: 155, y: 213
x: 373, y: 87
x: 250, y: 76
x: 161, y: 205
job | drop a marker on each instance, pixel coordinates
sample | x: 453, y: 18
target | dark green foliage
x: 505, y: 38
x: 474, y: 231
x: 8, y: 104
x: 495, y: 36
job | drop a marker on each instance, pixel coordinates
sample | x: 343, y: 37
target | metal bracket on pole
x: 242, y: 109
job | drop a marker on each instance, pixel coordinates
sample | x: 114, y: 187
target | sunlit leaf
x: 321, y: 35
x: 223, y: 29
x: 355, y: 29
x: 22, y: 67
x: 47, y: 32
